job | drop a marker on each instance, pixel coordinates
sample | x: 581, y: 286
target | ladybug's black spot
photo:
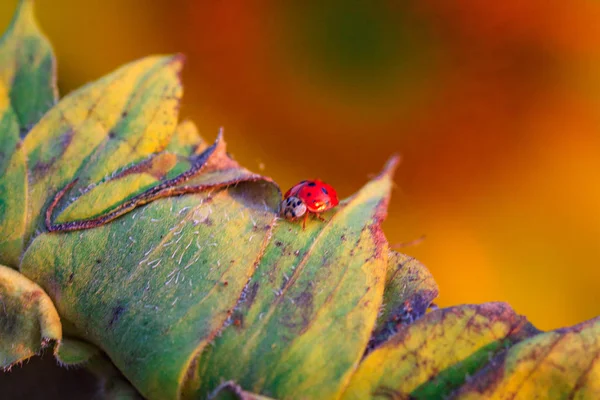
x: 324, y: 190
x: 297, y: 203
x: 308, y: 194
x: 311, y: 184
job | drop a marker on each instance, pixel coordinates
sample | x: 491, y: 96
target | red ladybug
x: 308, y: 197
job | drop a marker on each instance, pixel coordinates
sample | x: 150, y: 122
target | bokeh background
x: 495, y: 107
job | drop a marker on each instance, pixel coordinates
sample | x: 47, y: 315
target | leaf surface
x: 180, y: 263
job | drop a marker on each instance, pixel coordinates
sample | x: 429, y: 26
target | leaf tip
x: 390, y: 166
x: 178, y: 59
x: 24, y: 12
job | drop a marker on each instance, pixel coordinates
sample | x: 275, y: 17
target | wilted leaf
x: 27, y: 91
x: 564, y: 364
x: 28, y: 320
x: 433, y: 356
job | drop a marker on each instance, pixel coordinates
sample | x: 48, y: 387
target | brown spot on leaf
x: 116, y: 315
x: 252, y: 291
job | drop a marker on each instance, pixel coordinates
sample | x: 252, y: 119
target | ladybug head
x: 292, y: 207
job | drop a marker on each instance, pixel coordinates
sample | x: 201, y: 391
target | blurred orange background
x: 495, y: 107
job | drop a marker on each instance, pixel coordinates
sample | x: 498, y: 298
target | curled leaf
x: 162, y: 175
x: 28, y: 320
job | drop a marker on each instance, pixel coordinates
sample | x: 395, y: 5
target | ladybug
x: 308, y: 197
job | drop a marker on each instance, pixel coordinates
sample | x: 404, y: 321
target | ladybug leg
x: 320, y: 217
x: 304, y: 221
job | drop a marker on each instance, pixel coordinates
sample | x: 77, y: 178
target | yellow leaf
x: 554, y: 365
x: 100, y: 128
x: 429, y: 358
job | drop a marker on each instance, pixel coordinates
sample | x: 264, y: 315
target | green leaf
x: 28, y: 68
x: 28, y: 320
x: 27, y: 91
x: 180, y: 266
x: 311, y: 288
